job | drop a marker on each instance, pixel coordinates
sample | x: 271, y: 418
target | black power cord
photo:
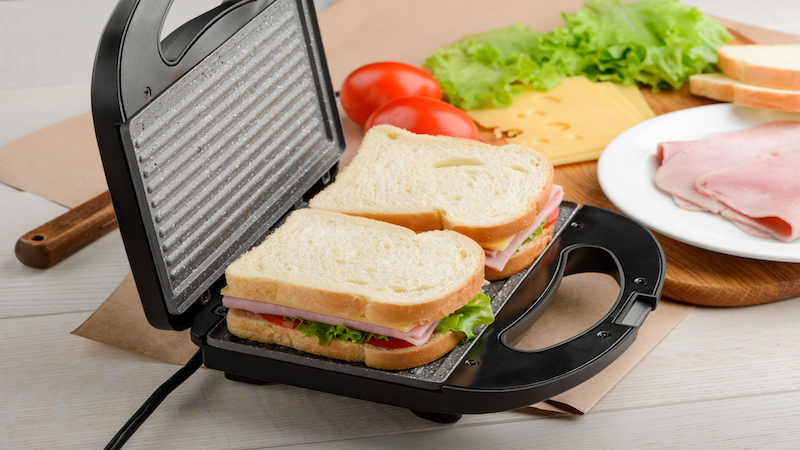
x: 155, y: 399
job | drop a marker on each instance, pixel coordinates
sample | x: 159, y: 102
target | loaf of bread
x: 423, y: 182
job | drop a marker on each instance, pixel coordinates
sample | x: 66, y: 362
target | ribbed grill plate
x: 229, y: 147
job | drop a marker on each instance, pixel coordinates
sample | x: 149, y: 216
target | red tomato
x: 279, y: 320
x: 370, y: 86
x: 423, y: 115
x: 551, y: 217
x: 392, y: 343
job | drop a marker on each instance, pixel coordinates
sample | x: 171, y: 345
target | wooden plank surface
x: 723, y: 379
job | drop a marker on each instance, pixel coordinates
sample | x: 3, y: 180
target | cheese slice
x: 627, y: 96
x: 498, y: 245
x: 572, y: 122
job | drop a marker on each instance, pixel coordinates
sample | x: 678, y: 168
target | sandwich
x: 357, y: 289
x: 503, y: 197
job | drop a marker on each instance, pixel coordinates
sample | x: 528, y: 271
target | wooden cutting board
x: 694, y: 275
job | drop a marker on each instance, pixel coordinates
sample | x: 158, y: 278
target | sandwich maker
x: 210, y: 136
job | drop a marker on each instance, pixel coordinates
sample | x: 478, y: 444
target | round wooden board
x: 693, y: 275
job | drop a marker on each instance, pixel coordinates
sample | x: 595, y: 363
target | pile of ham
x: 751, y: 177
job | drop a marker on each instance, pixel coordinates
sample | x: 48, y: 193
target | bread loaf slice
x: 426, y: 182
x: 769, y: 66
x: 252, y: 326
x: 724, y: 88
x: 360, y: 269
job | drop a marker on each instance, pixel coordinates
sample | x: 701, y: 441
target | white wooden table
x: 724, y: 378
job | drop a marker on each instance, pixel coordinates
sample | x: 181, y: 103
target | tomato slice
x: 423, y: 115
x: 372, y: 85
x: 551, y: 217
x: 280, y: 321
x: 392, y: 343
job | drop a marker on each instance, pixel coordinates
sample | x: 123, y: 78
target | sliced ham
x: 678, y: 174
x: 761, y: 194
x: 667, y: 150
x: 499, y: 259
x: 417, y: 335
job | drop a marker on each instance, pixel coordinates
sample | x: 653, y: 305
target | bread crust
x: 251, y: 326
x: 726, y: 89
x: 485, y: 235
x: 528, y: 252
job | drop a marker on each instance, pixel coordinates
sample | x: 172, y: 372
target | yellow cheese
x: 572, y: 122
x: 628, y: 96
x: 500, y: 245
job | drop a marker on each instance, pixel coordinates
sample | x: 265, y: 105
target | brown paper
x: 61, y: 163
x: 120, y: 321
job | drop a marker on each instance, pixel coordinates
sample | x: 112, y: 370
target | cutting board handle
x: 66, y: 234
x: 595, y: 240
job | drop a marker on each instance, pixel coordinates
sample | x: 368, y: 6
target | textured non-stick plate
x: 228, y: 148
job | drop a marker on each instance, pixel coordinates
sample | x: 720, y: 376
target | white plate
x: 627, y: 168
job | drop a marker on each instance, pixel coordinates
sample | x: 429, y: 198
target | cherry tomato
x: 370, y: 86
x: 424, y: 115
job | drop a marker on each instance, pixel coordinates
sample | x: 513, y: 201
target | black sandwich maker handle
x: 149, y: 64
x: 495, y: 376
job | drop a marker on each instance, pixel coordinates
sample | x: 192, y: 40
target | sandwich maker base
x: 210, y: 136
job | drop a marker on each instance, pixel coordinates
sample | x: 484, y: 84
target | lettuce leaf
x: 658, y: 43
x: 476, y: 312
x: 325, y: 333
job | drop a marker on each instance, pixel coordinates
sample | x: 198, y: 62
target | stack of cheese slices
x: 759, y: 76
x: 570, y: 123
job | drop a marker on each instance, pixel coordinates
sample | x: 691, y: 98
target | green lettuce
x: 477, y: 311
x: 658, y: 43
x: 325, y: 333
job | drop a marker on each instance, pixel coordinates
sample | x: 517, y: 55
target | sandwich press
x: 210, y: 136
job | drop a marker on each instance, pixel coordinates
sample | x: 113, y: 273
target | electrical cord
x: 154, y: 400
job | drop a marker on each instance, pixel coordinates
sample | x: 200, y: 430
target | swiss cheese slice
x: 570, y: 123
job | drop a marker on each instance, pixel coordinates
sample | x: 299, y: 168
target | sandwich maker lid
x: 209, y: 137
x: 212, y: 135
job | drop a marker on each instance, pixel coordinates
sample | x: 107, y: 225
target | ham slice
x: 417, y: 335
x: 761, y: 194
x: 666, y: 150
x: 678, y: 174
x: 499, y: 259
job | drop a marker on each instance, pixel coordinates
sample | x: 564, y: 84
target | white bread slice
x: 769, y: 66
x: 524, y: 257
x: 361, y: 269
x: 723, y: 88
x: 252, y: 326
x: 426, y: 182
